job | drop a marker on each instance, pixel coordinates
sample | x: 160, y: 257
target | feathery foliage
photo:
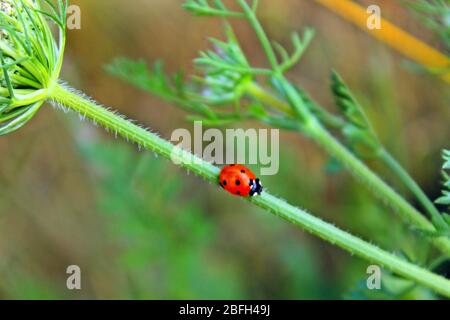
x: 357, y: 130
x: 445, y: 199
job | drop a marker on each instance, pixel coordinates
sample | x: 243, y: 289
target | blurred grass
x: 140, y: 228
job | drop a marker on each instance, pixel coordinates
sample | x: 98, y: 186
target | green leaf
x: 347, y: 103
x: 171, y: 89
x: 445, y: 198
x: 446, y: 156
x: 300, y: 46
x: 357, y: 130
x: 204, y: 8
x: 442, y: 223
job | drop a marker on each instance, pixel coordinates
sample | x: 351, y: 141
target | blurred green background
x: 140, y: 228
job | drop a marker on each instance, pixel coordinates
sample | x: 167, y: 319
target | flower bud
x: 30, y: 58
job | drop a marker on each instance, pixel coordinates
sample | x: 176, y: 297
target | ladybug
x: 240, y: 181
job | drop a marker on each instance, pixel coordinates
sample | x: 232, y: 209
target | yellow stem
x: 392, y: 35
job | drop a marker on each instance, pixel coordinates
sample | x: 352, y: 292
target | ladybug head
x: 257, y: 188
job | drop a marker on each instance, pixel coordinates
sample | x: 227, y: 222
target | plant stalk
x: 116, y: 123
x: 382, y: 190
x: 409, y: 182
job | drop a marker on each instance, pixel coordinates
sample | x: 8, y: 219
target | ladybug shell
x: 239, y: 180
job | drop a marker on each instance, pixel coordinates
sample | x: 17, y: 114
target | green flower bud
x: 30, y: 58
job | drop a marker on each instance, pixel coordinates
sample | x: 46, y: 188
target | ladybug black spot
x: 238, y: 192
x: 238, y: 182
x: 243, y: 171
x: 224, y: 183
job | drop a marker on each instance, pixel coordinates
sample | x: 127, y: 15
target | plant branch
x: 319, y: 134
x: 265, y: 42
x: 409, y: 182
x: 114, y: 122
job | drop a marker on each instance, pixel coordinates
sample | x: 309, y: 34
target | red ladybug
x: 240, y: 181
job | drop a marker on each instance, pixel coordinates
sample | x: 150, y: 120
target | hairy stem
x: 319, y: 134
x: 117, y: 123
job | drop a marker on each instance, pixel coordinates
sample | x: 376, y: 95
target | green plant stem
x: 312, y: 127
x: 409, y: 182
x: 318, y: 133
x: 117, y: 123
x: 267, y: 47
x: 346, y: 241
x: 377, y: 185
